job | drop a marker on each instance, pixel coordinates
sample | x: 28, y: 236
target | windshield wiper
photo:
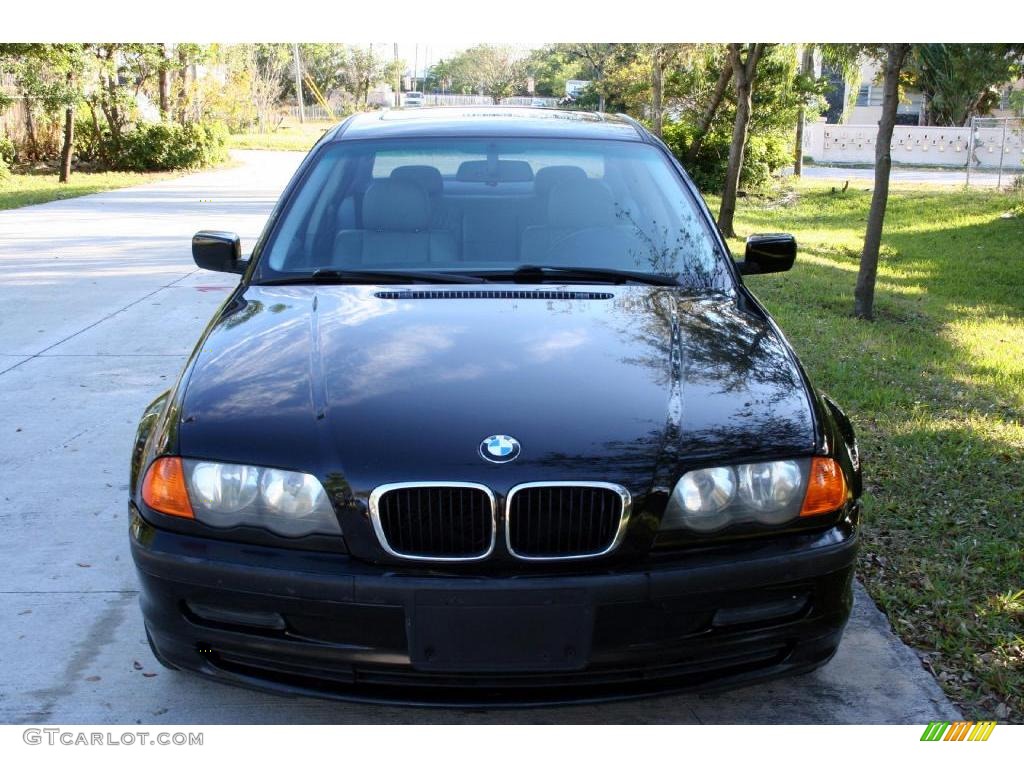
x: 341, y: 276
x: 531, y: 273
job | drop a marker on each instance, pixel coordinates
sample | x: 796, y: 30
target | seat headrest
x: 426, y: 177
x: 548, y: 177
x: 395, y: 206
x: 506, y: 171
x: 575, y: 204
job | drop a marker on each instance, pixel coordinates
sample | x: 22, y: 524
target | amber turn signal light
x: 164, y: 487
x: 826, y: 488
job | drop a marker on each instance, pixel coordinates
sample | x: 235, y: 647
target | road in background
x: 956, y: 178
x: 101, y: 304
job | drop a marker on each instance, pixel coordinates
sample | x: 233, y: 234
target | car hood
x: 623, y: 384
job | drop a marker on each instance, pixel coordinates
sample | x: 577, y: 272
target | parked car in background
x: 412, y: 99
x: 492, y: 417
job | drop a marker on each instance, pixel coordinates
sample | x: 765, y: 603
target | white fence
x: 454, y: 100
x: 997, y: 143
x: 317, y: 112
x: 460, y: 99
x: 313, y: 112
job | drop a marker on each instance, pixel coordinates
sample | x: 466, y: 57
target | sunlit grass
x: 20, y: 189
x: 291, y: 136
x: 935, y: 386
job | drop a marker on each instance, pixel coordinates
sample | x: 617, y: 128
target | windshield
x: 489, y: 207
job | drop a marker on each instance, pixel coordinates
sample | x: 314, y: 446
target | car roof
x: 488, y: 121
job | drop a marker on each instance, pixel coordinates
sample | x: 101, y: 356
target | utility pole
x: 298, y: 82
x: 398, y: 80
x: 970, y: 151
x: 415, y: 66
x: 1002, y: 146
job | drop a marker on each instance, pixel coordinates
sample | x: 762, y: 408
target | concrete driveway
x: 99, y: 306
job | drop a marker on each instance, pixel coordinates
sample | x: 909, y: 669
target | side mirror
x: 218, y: 251
x: 768, y: 253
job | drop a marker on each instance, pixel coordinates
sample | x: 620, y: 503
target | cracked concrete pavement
x: 100, y: 304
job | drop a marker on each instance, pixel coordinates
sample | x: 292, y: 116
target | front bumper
x: 332, y: 626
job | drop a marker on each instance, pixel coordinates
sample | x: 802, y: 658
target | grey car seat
x: 396, y: 230
x: 429, y: 179
x: 547, y: 179
x: 583, y: 229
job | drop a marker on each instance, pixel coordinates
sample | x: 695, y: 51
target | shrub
x: 166, y: 147
x: 766, y: 153
x: 153, y: 146
x: 6, y: 150
x: 88, y: 145
x: 6, y: 156
x: 1017, y: 196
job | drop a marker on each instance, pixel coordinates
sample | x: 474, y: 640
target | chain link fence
x: 996, y: 143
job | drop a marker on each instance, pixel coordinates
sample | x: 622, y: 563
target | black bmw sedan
x: 491, y: 417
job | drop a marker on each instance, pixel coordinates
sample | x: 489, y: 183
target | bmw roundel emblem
x: 499, y: 448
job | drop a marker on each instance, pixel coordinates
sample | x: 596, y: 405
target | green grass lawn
x: 20, y: 189
x: 289, y: 136
x: 935, y: 387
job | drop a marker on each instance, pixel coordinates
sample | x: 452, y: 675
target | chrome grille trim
x: 378, y: 528
x: 620, y: 532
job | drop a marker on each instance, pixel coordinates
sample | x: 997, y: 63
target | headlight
x: 287, y: 503
x: 226, y: 488
x: 226, y: 495
x: 769, y: 492
x: 702, y: 496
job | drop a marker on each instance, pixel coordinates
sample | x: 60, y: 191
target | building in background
x: 865, y: 106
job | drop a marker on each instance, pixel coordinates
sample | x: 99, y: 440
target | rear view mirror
x: 768, y: 253
x: 218, y: 251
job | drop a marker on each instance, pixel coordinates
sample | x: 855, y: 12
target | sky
x: 426, y: 53
x: 423, y: 54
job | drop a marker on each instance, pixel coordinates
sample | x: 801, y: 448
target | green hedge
x: 154, y: 146
x: 766, y: 152
x: 168, y: 147
x: 6, y: 155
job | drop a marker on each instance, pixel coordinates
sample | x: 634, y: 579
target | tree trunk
x: 807, y: 70
x: 97, y: 138
x: 30, y: 131
x: 164, y: 83
x: 864, y: 295
x: 182, y: 85
x: 657, y: 88
x: 108, y: 99
x: 69, y: 139
x: 704, y: 124
x: 743, y: 72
